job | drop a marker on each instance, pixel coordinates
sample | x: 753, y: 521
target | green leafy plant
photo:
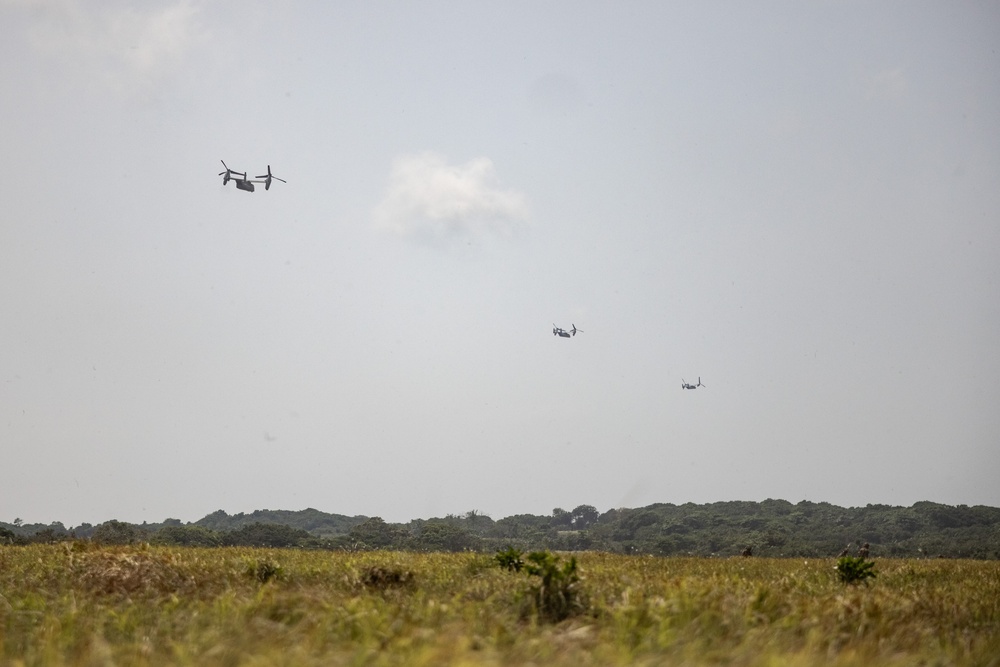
x: 510, y: 559
x: 384, y: 578
x: 855, y: 570
x: 263, y: 570
x: 557, y: 595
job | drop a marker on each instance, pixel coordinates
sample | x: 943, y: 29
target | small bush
x: 854, y: 570
x: 557, y: 596
x: 510, y: 559
x: 383, y: 578
x: 264, y: 571
x: 135, y: 573
x: 479, y: 564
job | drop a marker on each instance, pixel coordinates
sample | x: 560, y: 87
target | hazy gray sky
x: 797, y: 202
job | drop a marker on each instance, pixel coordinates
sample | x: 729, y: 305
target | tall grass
x: 80, y: 605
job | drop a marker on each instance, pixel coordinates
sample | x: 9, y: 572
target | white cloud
x: 122, y: 45
x: 431, y: 200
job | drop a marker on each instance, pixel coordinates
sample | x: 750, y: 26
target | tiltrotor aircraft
x: 244, y: 183
x: 556, y: 331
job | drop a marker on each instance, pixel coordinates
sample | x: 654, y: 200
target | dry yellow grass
x: 80, y: 605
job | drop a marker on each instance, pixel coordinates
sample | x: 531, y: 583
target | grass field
x: 77, y: 604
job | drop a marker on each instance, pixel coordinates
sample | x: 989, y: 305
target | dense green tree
x: 477, y: 523
x: 630, y: 522
x: 186, y: 536
x: 561, y: 518
x: 50, y: 535
x: 84, y: 531
x: 8, y: 536
x: 267, y: 535
x: 375, y: 533
x: 520, y: 527
x: 117, y: 532
x: 442, y: 536
x: 320, y: 524
x: 584, y: 515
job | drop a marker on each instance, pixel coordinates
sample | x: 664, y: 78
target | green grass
x: 66, y: 605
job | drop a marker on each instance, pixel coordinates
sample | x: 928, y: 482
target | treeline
x: 773, y: 528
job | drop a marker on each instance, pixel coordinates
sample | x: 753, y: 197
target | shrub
x: 131, y: 573
x: 510, y: 559
x: 264, y: 571
x: 557, y: 596
x: 383, y: 578
x: 854, y: 570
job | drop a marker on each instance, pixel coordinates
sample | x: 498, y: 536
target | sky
x: 797, y: 203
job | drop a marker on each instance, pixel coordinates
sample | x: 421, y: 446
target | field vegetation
x: 81, y: 603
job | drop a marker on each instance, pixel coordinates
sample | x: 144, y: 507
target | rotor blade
x: 279, y: 179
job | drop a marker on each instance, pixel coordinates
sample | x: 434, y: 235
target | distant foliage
x: 118, y: 532
x: 443, y: 536
x: 561, y: 517
x: 10, y: 537
x: 774, y: 528
x: 584, y: 516
x: 186, y: 536
x: 375, y: 533
x: 267, y: 535
x: 320, y: 524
